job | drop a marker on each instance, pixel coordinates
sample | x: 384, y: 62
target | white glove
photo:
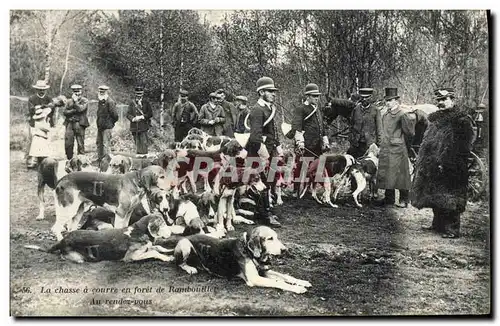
x: 326, y: 143
x: 263, y: 152
x: 134, y: 119
x: 299, y: 139
x: 211, y: 122
x: 75, y: 97
x: 299, y: 136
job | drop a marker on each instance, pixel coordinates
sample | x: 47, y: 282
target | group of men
x: 441, y: 171
x: 217, y: 117
x: 139, y: 114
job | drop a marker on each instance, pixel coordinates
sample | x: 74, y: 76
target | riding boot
x: 263, y: 210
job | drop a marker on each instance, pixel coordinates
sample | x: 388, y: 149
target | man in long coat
x: 441, y: 173
x: 139, y: 114
x: 76, y: 121
x: 394, y: 166
x: 107, y: 116
x: 365, y: 124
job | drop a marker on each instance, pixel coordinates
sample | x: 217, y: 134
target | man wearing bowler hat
x: 36, y: 101
x: 75, y: 121
x: 184, y: 116
x: 394, y: 167
x: 365, y: 124
x: 263, y: 141
x: 441, y: 172
x: 139, y: 114
x: 310, y: 137
x: 107, y: 115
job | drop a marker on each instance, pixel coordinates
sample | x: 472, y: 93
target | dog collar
x: 261, y: 266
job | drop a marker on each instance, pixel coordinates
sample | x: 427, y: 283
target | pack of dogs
x: 133, y: 208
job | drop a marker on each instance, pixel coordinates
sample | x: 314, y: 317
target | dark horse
x: 336, y: 106
x: 340, y: 107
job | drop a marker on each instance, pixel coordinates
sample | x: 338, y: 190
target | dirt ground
x: 369, y: 261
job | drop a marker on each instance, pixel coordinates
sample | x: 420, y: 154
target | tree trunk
x: 48, y: 36
x: 65, y: 68
x: 162, y: 76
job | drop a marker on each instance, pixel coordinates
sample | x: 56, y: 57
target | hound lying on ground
x: 127, y: 244
x: 246, y: 257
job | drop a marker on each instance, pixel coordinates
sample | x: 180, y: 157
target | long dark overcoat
x: 441, y: 173
x: 394, y: 166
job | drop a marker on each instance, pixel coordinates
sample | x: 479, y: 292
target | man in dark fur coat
x: 441, y: 172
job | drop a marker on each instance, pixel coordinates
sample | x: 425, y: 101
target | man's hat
x: 444, y: 92
x: 366, y: 91
x: 40, y: 84
x: 139, y: 89
x: 481, y: 106
x: 183, y: 92
x: 391, y: 93
x: 76, y: 87
x: 212, y: 95
x: 312, y: 89
x: 103, y: 87
x: 242, y: 98
x: 220, y: 91
x: 265, y: 83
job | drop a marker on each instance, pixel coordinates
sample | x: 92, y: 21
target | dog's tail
x: 58, y: 246
x: 35, y: 247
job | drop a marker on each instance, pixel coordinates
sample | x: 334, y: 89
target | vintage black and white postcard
x: 250, y: 162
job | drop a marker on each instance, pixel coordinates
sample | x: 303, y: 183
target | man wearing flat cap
x: 75, y: 121
x: 40, y: 100
x: 212, y: 117
x: 394, y: 167
x: 107, y: 115
x: 366, y: 123
x: 229, y: 112
x: 139, y: 114
x: 441, y: 172
x: 264, y: 141
x: 184, y: 116
x: 241, y: 117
